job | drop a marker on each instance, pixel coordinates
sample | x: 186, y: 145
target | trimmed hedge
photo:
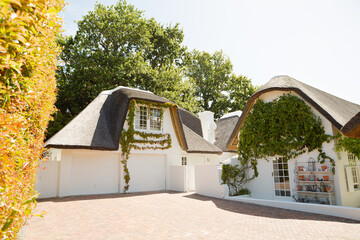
x: 28, y: 59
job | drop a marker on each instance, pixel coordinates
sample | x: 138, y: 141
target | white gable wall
x: 263, y: 186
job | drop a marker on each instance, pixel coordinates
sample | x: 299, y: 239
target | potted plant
x: 326, y: 178
x: 323, y: 168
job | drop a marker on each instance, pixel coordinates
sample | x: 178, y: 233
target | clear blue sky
x: 316, y: 42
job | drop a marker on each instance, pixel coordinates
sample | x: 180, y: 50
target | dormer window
x: 148, y: 119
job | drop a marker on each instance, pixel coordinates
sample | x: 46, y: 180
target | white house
x: 304, y: 178
x: 85, y: 156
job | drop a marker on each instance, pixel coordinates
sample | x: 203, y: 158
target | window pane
x: 143, y: 117
x: 140, y: 118
x: 155, y: 120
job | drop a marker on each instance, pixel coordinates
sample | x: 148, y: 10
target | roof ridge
x: 109, y: 92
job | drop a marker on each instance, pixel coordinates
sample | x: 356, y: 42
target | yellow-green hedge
x: 28, y: 58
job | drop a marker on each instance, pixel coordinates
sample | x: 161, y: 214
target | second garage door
x: 147, y: 172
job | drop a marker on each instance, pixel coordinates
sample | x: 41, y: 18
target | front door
x: 281, y: 178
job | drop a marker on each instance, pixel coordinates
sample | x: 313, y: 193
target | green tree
x: 117, y: 46
x: 240, y: 90
x: 216, y: 87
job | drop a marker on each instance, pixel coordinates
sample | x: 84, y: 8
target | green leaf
x: 32, y: 199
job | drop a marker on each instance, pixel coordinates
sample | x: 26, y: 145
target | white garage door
x: 47, y: 179
x: 94, y: 173
x: 147, y: 172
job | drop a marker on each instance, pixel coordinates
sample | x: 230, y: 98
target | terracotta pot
x: 328, y: 189
x: 323, y: 168
x: 326, y: 178
x: 316, y: 179
x: 307, y: 179
x: 299, y: 188
x: 301, y: 178
x: 300, y: 168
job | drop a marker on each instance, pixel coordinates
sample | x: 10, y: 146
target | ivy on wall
x: 133, y: 139
x: 285, y: 127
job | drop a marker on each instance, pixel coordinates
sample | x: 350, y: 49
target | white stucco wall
x: 177, y: 178
x: 207, y: 181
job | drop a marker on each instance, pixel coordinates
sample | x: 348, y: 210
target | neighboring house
x: 85, y: 156
x: 281, y: 180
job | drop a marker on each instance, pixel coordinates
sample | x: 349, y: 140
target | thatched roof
x: 224, y: 129
x: 344, y: 115
x: 100, y: 124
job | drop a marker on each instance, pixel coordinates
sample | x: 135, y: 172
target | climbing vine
x: 133, y: 139
x: 350, y: 145
x: 285, y: 127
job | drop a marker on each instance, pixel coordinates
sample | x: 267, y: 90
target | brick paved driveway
x: 169, y: 215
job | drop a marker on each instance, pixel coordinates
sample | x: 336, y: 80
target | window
x: 352, y: 173
x: 183, y: 161
x: 281, y: 178
x: 148, y: 119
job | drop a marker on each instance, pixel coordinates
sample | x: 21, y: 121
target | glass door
x: 281, y: 178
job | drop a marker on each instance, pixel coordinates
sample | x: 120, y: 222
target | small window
x: 147, y: 119
x: 183, y: 161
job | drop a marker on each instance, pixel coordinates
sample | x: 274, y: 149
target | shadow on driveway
x: 101, y: 196
x: 266, y: 211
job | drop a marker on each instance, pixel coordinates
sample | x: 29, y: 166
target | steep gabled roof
x: 99, y: 125
x: 344, y: 115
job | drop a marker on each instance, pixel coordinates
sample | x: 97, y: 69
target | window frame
x: 353, y: 164
x: 281, y: 178
x: 148, y: 124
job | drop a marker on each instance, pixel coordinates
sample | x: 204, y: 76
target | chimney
x: 208, y: 125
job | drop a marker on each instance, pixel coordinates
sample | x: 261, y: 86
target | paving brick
x: 171, y: 215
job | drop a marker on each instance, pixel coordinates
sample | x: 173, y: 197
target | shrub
x: 28, y: 58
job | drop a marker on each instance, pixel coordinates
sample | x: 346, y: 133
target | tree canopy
x: 117, y: 46
x: 217, y: 88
